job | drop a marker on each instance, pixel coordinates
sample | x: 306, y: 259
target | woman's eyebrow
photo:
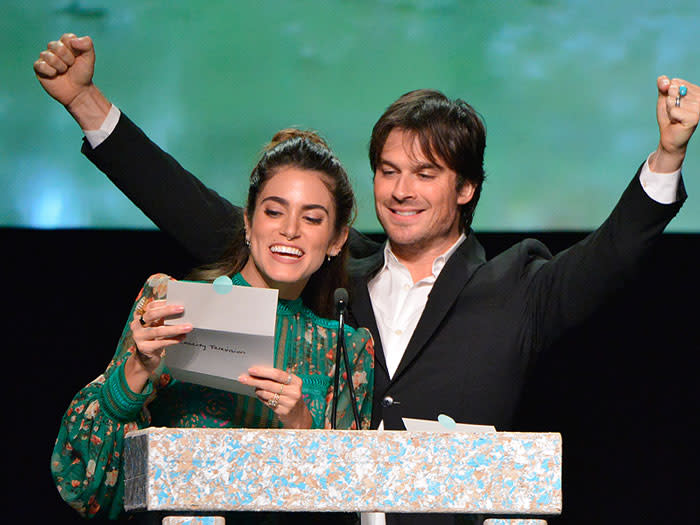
x: 305, y: 207
x: 278, y: 200
x: 315, y: 207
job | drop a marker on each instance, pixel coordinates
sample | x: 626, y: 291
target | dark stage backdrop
x: 621, y: 389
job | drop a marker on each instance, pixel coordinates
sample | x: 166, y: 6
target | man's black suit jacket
x: 485, y: 321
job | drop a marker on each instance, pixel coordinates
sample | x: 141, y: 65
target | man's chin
x: 404, y: 239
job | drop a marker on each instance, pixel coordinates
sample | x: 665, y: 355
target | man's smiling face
x: 416, y: 200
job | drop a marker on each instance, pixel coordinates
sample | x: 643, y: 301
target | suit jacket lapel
x: 454, y: 276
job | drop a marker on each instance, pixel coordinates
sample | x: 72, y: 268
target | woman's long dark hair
x: 304, y: 150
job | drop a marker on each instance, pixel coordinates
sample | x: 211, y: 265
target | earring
x: 328, y: 258
x: 247, y: 242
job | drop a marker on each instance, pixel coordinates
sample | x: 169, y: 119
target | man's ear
x: 465, y: 193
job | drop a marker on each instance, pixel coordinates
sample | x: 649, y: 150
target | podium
x: 210, y: 471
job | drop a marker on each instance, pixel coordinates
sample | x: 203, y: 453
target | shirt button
x: 387, y: 401
x: 398, y: 332
x: 406, y: 287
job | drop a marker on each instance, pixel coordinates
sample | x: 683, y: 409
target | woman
x: 299, y: 209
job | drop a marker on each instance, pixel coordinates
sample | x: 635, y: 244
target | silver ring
x: 289, y: 379
x: 274, y: 402
x: 682, y: 91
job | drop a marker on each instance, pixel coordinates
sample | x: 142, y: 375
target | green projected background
x: 567, y: 90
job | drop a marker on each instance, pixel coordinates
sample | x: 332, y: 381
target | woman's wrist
x: 138, y: 369
x: 301, y: 421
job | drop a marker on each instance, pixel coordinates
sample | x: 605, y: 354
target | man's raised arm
x: 174, y: 199
x: 566, y: 290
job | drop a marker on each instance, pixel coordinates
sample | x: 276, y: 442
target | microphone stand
x: 340, y: 349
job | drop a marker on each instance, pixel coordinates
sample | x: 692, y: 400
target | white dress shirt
x: 398, y: 302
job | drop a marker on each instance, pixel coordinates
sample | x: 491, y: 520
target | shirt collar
x: 391, y: 262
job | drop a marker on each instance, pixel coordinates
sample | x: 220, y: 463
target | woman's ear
x: 337, y: 244
x: 246, y: 223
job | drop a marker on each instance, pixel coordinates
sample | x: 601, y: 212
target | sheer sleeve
x: 360, y: 347
x: 87, y: 458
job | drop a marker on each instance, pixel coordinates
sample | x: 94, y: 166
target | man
x: 455, y: 333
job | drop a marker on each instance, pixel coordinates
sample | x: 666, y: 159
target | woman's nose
x: 290, y: 228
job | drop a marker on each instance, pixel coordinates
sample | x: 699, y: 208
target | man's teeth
x: 405, y: 213
x: 287, y: 250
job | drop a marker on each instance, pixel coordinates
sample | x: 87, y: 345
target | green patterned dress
x: 87, y: 458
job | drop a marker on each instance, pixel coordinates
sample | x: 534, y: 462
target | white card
x: 426, y: 425
x: 232, y: 332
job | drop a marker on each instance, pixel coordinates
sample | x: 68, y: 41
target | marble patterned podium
x: 219, y: 470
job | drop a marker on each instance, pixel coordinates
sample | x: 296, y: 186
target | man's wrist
x: 96, y: 137
x: 663, y: 187
x: 664, y: 161
x: 89, y: 108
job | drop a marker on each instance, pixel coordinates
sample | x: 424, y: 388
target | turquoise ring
x: 681, y: 93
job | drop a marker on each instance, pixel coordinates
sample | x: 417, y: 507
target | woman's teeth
x: 286, y: 250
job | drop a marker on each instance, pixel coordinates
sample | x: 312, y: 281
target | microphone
x: 341, y: 299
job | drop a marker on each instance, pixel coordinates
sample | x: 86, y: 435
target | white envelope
x: 426, y: 425
x: 232, y: 332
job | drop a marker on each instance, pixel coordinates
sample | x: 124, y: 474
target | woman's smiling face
x: 291, y: 231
